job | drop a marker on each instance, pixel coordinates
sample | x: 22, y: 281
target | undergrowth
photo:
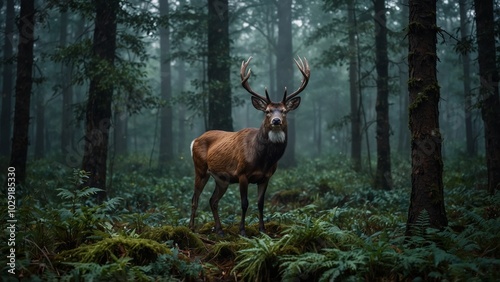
x: 324, y: 223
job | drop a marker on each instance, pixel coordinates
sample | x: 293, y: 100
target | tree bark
x: 284, y: 73
x: 120, y: 132
x: 469, y: 130
x: 40, y: 126
x: 490, y: 102
x: 98, y: 112
x: 404, y: 136
x: 427, y: 163
x: 24, y: 80
x: 166, y: 139
x: 67, y: 91
x: 383, y: 176
x: 7, y: 87
x: 353, y: 89
x: 219, y: 88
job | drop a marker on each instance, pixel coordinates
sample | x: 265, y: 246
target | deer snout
x: 276, y: 121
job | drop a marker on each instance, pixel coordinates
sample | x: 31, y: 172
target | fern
x: 120, y: 270
x: 330, y: 265
x: 259, y: 260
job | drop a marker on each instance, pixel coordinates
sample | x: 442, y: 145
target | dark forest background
x: 392, y: 166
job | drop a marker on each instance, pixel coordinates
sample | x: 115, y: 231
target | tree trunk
x: 182, y: 145
x: 166, y: 138
x: 6, y: 115
x: 354, y: 90
x: 469, y: 130
x: 120, y: 131
x: 284, y: 73
x: 67, y: 91
x: 490, y: 102
x: 383, y: 177
x: 24, y: 79
x: 219, y: 88
x: 427, y: 163
x: 404, y: 136
x: 40, y: 126
x: 98, y: 112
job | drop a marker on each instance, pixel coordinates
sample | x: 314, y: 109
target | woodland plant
x: 349, y: 231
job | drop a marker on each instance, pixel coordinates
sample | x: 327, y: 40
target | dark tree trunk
x: 166, y: 138
x: 182, y: 146
x: 120, y: 133
x: 354, y: 90
x: 98, y: 112
x: 404, y: 136
x: 40, y: 126
x: 284, y: 72
x: 219, y: 88
x: 6, y: 115
x: 67, y: 92
x: 383, y: 177
x: 427, y: 163
x: 469, y: 130
x: 24, y: 79
x: 490, y: 103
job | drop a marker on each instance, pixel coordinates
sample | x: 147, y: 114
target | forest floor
x: 324, y: 222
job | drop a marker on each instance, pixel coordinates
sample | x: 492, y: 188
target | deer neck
x: 271, y: 145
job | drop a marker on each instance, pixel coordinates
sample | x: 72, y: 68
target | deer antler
x: 244, y: 81
x: 306, y: 73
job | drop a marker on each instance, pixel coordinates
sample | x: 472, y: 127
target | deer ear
x: 292, y: 104
x: 259, y: 104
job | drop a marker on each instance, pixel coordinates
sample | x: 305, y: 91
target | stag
x: 249, y: 156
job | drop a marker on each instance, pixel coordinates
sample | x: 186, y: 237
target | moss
x: 423, y: 96
x: 142, y: 251
x: 419, y: 99
x: 292, y: 198
x: 273, y: 228
x: 224, y: 251
x: 414, y: 27
x: 180, y: 235
x: 414, y: 82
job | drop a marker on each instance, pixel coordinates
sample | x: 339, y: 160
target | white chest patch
x: 276, y: 136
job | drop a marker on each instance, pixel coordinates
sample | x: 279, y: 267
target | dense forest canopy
x: 319, y: 34
x: 398, y: 128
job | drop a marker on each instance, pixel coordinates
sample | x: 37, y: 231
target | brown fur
x: 248, y: 156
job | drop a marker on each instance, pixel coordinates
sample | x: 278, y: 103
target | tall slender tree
x: 98, y: 111
x: 427, y: 163
x: 469, y: 134
x: 166, y: 138
x: 284, y: 72
x: 383, y: 176
x: 353, y: 88
x: 219, y: 87
x: 67, y: 89
x: 7, y: 85
x: 404, y: 136
x: 490, y: 101
x: 39, y: 125
x: 24, y: 81
x: 181, y: 108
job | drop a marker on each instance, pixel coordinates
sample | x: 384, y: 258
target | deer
x: 248, y: 156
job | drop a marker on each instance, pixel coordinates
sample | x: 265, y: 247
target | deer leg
x: 244, y: 203
x: 262, y: 187
x: 220, y: 190
x: 199, y: 184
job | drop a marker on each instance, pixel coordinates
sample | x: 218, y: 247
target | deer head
x: 275, y: 119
